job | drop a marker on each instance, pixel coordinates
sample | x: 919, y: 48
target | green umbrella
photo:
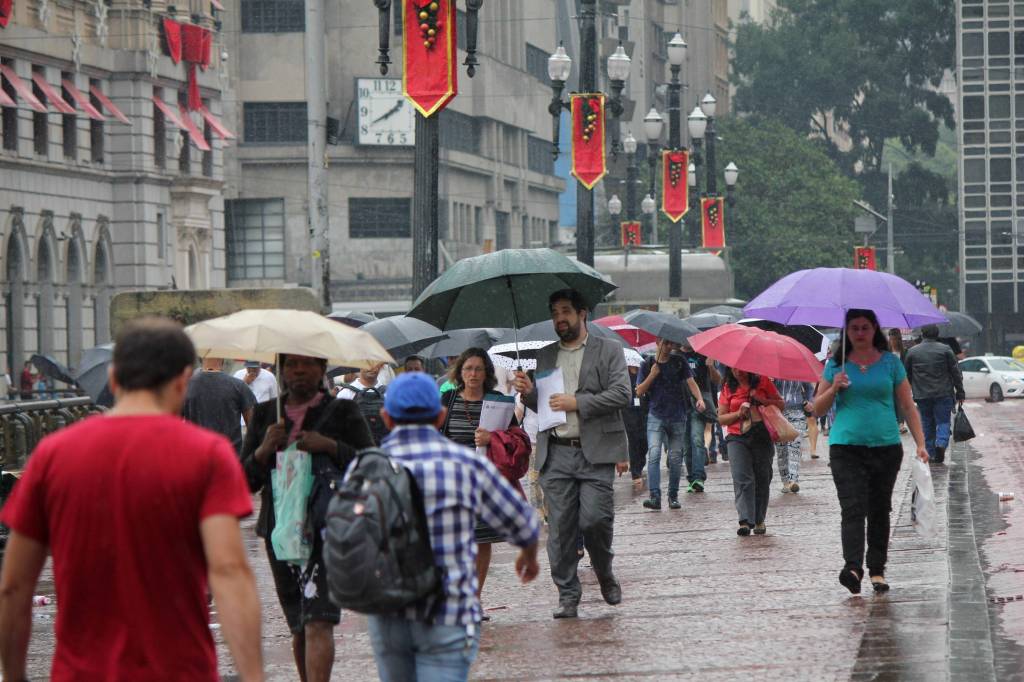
x: 508, y: 288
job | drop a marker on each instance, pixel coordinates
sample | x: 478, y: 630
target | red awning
x: 24, y: 91
x: 5, y: 100
x: 108, y: 105
x: 193, y: 130
x: 217, y: 126
x: 168, y: 112
x: 82, y: 101
x: 52, y: 96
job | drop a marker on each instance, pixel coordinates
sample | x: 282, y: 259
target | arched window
x: 192, y: 275
x: 74, y: 298
x: 45, y: 300
x: 14, y: 303
x: 101, y: 280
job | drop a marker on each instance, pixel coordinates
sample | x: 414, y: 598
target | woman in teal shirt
x: 864, y: 444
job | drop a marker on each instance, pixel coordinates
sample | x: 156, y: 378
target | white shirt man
x: 262, y: 383
x: 367, y: 378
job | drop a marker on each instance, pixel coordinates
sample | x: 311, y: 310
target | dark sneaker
x: 760, y: 529
x: 653, y: 503
x: 794, y: 487
x: 673, y: 503
x: 744, y: 529
x: 696, y: 487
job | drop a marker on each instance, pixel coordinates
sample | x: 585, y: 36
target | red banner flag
x: 429, y: 62
x: 712, y: 220
x: 675, y: 190
x: 631, y: 235
x: 864, y: 258
x: 588, y: 160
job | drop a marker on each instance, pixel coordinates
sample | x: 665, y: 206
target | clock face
x: 385, y: 117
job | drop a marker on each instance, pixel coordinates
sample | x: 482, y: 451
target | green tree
x: 794, y: 207
x: 854, y: 73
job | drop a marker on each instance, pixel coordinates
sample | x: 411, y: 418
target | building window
x: 537, y: 63
x: 96, y: 136
x: 208, y: 154
x: 273, y: 16
x: 396, y: 17
x: 502, y: 237
x: 460, y: 29
x: 275, y: 122
x: 161, y: 237
x: 538, y: 155
x: 185, y: 144
x: 159, y: 134
x: 379, y: 218
x: 41, y: 122
x: 69, y: 124
x: 459, y: 132
x: 10, y: 115
x: 254, y: 235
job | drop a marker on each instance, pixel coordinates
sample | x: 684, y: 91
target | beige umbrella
x: 262, y: 334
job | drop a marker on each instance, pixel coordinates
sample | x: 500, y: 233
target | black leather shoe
x: 567, y: 610
x: 611, y: 590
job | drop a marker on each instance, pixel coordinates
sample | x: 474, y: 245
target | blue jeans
x: 673, y: 435
x: 935, y: 421
x: 696, y: 454
x: 411, y: 651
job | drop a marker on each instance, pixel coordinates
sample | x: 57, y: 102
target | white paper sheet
x: 549, y: 382
x: 495, y: 415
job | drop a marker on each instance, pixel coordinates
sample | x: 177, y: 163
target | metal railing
x: 24, y: 424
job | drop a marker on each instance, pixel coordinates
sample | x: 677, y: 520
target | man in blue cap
x: 441, y: 634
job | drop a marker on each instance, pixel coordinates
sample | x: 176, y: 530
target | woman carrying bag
x: 474, y: 378
x: 864, y: 443
x: 749, y: 445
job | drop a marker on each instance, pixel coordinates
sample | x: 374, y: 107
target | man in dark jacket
x: 935, y: 379
x: 332, y: 431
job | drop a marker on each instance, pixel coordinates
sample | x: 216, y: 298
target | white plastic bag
x: 925, y: 512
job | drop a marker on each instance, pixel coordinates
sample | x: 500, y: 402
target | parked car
x: 993, y: 377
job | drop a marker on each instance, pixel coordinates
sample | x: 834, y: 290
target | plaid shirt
x: 458, y: 486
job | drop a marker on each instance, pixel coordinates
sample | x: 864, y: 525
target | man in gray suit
x: 577, y: 461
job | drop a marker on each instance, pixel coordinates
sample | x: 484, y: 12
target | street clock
x: 385, y: 117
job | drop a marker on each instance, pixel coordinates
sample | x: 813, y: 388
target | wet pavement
x: 701, y: 602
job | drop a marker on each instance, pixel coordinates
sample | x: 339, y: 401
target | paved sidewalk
x: 702, y: 603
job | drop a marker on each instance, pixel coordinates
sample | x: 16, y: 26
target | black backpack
x: 376, y: 543
x: 370, y: 401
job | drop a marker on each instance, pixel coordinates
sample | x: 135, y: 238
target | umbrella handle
x: 277, y: 361
x: 515, y: 322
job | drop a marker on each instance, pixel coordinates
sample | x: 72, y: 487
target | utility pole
x: 316, y: 149
x: 587, y: 83
x: 426, y: 167
x: 890, y: 255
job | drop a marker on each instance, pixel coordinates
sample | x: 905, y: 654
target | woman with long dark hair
x: 864, y: 445
x: 749, y: 445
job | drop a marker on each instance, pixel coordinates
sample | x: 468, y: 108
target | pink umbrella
x: 634, y: 336
x: 758, y: 351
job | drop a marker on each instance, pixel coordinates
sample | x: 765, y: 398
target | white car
x: 993, y: 377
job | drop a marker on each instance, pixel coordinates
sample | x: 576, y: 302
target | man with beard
x: 332, y: 431
x: 577, y: 460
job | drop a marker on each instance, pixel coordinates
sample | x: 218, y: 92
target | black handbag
x: 962, y: 429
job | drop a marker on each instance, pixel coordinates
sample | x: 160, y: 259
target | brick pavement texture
x: 699, y: 601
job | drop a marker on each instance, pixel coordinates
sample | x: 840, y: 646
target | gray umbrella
x: 92, y: 374
x: 960, y: 324
x: 545, y: 331
x: 402, y: 335
x: 705, y: 321
x: 352, y: 318
x: 51, y: 369
x: 662, y: 325
x: 732, y: 311
x: 460, y: 339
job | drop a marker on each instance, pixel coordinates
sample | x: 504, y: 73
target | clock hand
x: 390, y: 113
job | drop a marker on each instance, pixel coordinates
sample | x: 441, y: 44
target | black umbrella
x: 807, y: 335
x: 402, y: 335
x: 92, y: 374
x: 662, y: 325
x: 352, y: 318
x: 52, y: 369
x: 460, y: 339
x: 960, y: 324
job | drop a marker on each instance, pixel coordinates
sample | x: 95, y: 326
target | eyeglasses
x: 474, y: 369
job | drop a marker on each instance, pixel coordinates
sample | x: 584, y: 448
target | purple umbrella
x: 821, y: 296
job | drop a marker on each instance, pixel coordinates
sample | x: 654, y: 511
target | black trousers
x: 635, y: 421
x: 864, y: 479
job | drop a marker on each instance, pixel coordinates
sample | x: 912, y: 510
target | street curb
x: 971, y: 654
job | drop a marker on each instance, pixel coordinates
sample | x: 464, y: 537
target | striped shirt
x: 458, y: 486
x: 463, y: 420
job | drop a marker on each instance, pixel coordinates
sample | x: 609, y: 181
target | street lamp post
x: 559, y: 67
x: 701, y: 123
x: 632, y: 205
x: 649, y: 207
x: 676, y: 58
x: 654, y: 123
x: 426, y: 157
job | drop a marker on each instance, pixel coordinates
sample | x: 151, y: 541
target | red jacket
x: 509, y: 450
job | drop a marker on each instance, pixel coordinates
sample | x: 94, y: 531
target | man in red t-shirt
x: 138, y: 509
